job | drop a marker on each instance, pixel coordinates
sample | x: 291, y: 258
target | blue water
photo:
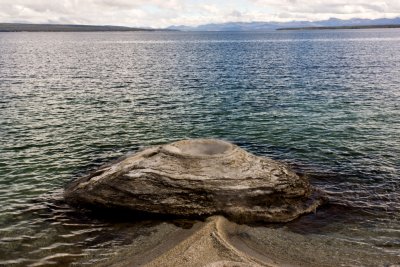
x: 326, y: 102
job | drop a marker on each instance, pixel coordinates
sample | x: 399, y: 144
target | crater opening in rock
x: 197, y: 178
x: 202, y: 147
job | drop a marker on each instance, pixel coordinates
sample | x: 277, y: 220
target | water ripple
x: 327, y: 103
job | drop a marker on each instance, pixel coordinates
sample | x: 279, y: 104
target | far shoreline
x: 31, y: 27
x: 23, y: 27
x: 389, y: 26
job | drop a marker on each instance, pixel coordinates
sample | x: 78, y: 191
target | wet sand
x: 219, y: 242
x: 205, y: 244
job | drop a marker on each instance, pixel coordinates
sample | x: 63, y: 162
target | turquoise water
x: 326, y: 102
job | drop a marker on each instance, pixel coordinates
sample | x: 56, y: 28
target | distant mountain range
x: 229, y: 26
x: 263, y: 26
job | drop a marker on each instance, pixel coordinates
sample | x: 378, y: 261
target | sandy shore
x: 208, y: 246
x: 219, y: 242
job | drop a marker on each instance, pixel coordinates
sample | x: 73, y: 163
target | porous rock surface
x: 199, y: 177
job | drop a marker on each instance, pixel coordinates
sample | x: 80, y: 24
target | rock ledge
x: 199, y: 177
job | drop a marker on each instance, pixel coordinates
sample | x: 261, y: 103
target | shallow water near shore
x: 325, y: 102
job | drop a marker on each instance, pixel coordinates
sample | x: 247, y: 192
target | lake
x: 325, y: 102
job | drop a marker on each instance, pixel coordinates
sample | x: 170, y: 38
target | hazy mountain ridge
x: 229, y: 26
x: 262, y: 26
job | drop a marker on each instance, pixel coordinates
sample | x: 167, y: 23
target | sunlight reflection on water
x: 325, y: 102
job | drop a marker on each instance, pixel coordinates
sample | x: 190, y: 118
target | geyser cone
x: 199, y: 177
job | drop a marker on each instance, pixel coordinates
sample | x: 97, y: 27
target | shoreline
x: 219, y: 242
x: 360, y: 27
x: 31, y: 27
x: 205, y: 244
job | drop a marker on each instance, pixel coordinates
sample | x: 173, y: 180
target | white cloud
x: 344, y: 9
x: 162, y: 13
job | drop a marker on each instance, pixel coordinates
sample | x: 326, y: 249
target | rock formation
x: 199, y: 177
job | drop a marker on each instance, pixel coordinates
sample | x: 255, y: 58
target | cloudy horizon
x: 159, y: 13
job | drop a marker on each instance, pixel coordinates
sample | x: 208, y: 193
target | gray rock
x: 199, y: 177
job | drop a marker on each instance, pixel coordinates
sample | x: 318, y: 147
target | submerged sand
x: 219, y: 242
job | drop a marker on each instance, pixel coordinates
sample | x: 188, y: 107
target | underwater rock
x: 199, y: 177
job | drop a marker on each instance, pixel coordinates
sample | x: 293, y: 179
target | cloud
x: 162, y: 13
x: 344, y: 9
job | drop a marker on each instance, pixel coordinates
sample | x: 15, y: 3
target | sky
x: 163, y: 13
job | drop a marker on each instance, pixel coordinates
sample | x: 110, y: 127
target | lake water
x: 326, y: 102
